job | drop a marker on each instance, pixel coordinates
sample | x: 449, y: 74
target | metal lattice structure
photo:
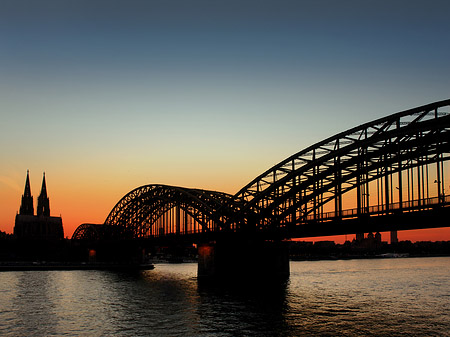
x: 85, y: 232
x: 395, y: 164
x: 372, y: 157
x: 93, y: 232
x: 160, y: 209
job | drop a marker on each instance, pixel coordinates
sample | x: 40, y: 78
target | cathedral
x: 41, y: 225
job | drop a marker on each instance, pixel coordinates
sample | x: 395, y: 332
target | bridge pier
x: 241, y: 260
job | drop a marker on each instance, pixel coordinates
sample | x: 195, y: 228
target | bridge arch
x: 154, y: 210
x: 86, y: 232
x: 389, y: 151
x: 93, y: 232
x: 385, y: 166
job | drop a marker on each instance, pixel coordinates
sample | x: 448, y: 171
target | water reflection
x: 154, y: 303
x: 170, y: 301
x: 248, y: 308
x: 373, y: 297
x: 33, y: 304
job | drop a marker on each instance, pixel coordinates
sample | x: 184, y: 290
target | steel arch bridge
x: 390, y: 168
x: 156, y: 210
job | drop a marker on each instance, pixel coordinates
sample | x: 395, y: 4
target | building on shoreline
x: 40, y: 226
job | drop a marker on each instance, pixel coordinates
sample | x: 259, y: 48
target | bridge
x: 384, y: 175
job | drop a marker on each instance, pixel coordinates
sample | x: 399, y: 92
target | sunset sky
x: 106, y: 96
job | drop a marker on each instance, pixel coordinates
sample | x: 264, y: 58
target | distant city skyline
x: 106, y: 96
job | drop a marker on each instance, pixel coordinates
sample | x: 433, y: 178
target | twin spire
x: 26, y: 207
x: 43, y: 206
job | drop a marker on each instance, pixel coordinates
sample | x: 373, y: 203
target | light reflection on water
x: 353, y: 297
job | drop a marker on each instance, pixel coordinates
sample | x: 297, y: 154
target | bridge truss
x: 393, y: 165
x: 157, y: 210
x: 396, y: 163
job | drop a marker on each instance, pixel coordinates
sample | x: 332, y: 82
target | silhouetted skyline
x: 106, y: 96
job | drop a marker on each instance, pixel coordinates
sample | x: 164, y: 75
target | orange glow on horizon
x: 89, y: 200
x: 83, y: 199
x: 414, y: 235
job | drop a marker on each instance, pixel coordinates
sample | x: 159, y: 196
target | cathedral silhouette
x: 41, y: 226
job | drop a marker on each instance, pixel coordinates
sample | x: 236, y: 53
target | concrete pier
x: 243, y: 260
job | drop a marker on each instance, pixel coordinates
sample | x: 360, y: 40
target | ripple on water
x: 355, y: 297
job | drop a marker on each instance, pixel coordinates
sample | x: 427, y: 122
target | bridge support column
x: 243, y: 260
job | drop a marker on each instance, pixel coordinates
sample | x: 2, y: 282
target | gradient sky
x: 106, y: 96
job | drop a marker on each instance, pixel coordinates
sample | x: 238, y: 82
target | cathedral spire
x: 27, y: 191
x: 44, y: 187
x: 43, y: 207
x: 26, y: 208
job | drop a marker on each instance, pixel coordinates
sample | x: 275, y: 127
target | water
x: 401, y: 297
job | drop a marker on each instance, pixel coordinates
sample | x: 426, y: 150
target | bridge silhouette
x: 385, y: 175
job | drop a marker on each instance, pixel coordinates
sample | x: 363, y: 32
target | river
x: 379, y: 297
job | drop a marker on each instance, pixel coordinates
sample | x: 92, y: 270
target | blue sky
x: 111, y: 95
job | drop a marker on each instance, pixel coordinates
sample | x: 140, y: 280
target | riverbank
x: 40, y: 266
